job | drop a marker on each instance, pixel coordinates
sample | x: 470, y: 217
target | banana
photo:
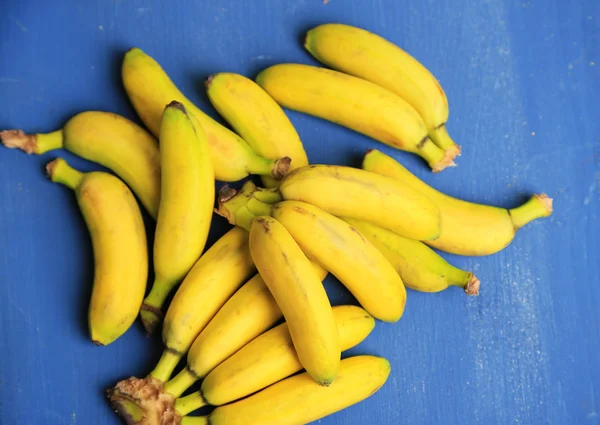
x: 118, y: 237
x: 368, y: 56
x: 468, y: 228
x: 210, y: 283
x: 247, y: 314
x: 354, y: 103
x: 420, y: 267
x: 257, y: 118
x: 343, y: 251
x: 108, y: 139
x: 299, y: 293
x: 214, y: 278
x: 351, y: 192
x: 268, y: 359
x: 149, y: 88
x: 298, y: 400
x: 184, y: 216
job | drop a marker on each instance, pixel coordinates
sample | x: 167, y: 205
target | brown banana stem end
x: 281, y: 168
x: 545, y: 200
x: 472, y: 287
x: 446, y: 161
x: 17, y: 139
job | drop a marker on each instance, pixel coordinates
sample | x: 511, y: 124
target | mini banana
x: 108, y: 139
x: 468, y: 228
x: 214, y: 278
x: 350, y: 192
x: 343, y: 251
x: 296, y: 287
x: 256, y: 117
x: 420, y: 267
x: 118, y: 237
x: 298, y: 400
x: 149, y: 88
x: 251, y: 311
x: 185, y: 212
x: 268, y: 359
x: 363, y: 54
x: 354, y: 103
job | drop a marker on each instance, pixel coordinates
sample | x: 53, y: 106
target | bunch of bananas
x: 372, y: 228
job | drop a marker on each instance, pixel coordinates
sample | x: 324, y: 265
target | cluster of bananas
x: 372, y: 228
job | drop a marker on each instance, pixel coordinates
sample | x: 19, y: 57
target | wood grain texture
x: 522, y: 78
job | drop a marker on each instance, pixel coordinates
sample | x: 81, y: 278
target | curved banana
x: 363, y: 54
x: 296, y: 287
x: 118, y: 237
x: 350, y: 192
x: 343, y: 251
x: 257, y: 118
x: 185, y: 213
x: 354, y: 103
x: 149, y: 88
x: 468, y: 228
x: 298, y: 400
x: 268, y: 359
x: 420, y: 267
x: 251, y: 311
x: 108, y: 139
x: 213, y: 279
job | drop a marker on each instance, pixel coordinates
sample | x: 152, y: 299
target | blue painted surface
x: 523, y: 80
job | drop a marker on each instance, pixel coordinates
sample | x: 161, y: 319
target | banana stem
x: 257, y: 207
x: 536, y: 207
x: 435, y: 157
x: 276, y: 168
x: 166, y: 365
x: 181, y: 382
x: 32, y: 143
x: 268, y: 196
x: 150, y: 311
x: 189, y: 403
x: 195, y: 420
x: 61, y: 172
x: 127, y: 408
x: 443, y: 140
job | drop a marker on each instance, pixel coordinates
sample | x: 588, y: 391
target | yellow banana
x: 420, y: 267
x: 184, y: 216
x: 351, y: 192
x: 468, y: 228
x: 118, y: 237
x: 149, y: 88
x: 354, y: 103
x: 214, y: 278
x: 268, y: 359
x: 343, y: 251
x: 210, y: 283
x: 108, y: 139
x: 298, y: 400
x: 248, y: 313
x: 299, y: 293
x: 365, y: 55
x: 257, y: 118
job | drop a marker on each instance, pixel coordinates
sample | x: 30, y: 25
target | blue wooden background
x: 523, y: 80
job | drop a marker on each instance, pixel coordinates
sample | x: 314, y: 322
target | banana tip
x: 177, y: 105
x: 472, y: 287
x: 546, y: 201
x: 17, y: 139
x: 447, y: 160
x: 281, y: 168
x: 151, y: 317
x: 209, y: 80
